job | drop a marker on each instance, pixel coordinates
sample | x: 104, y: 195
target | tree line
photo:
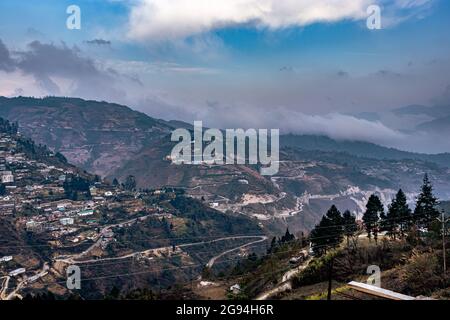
x: 398, y: 221
x: 8, y: 127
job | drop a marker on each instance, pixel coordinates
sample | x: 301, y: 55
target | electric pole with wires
x: 330, y: 277
x: 444, y: 221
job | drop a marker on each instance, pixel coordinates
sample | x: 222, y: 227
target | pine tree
x: 374, y: 209
x: 426, y: 211
x: 318, y: 236
x: 390, y: 221
x: 404, y: 213
x: 335, y: 216
x: 273, y: 244
x: 350, y: 226
x: 130, y: 183
x: 287, y: 236
x: 385, y: 225
x: 329, y: 232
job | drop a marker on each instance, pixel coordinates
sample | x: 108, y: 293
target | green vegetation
x: 426, y: 207
x: 8, y: 127
x: 374, y: 210
x: 130, y: 183
x: 77, y: 188
x: 329, y: 232
x: 2, y: 189
x: 398, y: 219
x: 412, y: 261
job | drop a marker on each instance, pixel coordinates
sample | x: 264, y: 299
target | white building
x: 36, y: 277
x: 66, y: 221
x: 7, y: 177
x: 17, y: 272
x: 6, y: 258
x: 93, y: 191
x: 85, y: 213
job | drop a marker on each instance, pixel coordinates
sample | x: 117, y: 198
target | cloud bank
x: 61, y: 70
x: 334, y: 125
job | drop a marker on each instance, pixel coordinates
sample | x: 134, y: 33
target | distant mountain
x: 308, y: 183
x: 438, y: 126
x: 97, y: 136
x: 101, y: 137
x: 434, y: 112
x: 360, y: 149
x: 315, y: 171
x: 12, y: 139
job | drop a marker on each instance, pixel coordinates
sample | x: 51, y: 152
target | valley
x: 98, y: 190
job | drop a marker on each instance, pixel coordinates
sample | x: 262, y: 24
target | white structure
x: 6, y: 258
x: 17, y: 272
x: 63, y: 205
x: 380, y: 292
x: 66, y: 221
x: 7, y: 177
x: 31, y: 224
x: 37, y: 277
x: 93, y: 191
x: 85, y: 213
x: 235, y: 288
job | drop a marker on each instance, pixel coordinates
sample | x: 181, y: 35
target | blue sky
x: 258, y: 59
x: 332, y: 42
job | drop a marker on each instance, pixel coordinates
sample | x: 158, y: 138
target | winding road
x: 4, y: 287
x: 71, y: 260
x: 214, y: 259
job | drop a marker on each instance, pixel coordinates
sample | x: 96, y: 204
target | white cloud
x: 174, y: 19
x: 178, y: 19
x: 335, y: 125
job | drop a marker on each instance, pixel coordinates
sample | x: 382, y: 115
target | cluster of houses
x: 25, y: 181
x: 32, y: 192
x: 15, y: 272
x: 32, y: 188
x: 21, y: 272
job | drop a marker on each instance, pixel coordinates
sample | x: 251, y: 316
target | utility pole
x: 330, y: 277
x: 443, y: 220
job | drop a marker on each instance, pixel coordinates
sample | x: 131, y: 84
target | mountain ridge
x: 69, y: 119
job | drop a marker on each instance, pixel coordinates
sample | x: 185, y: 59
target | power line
x: 189, y: 266
x: 226, y: 235
x: 180, y: 267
